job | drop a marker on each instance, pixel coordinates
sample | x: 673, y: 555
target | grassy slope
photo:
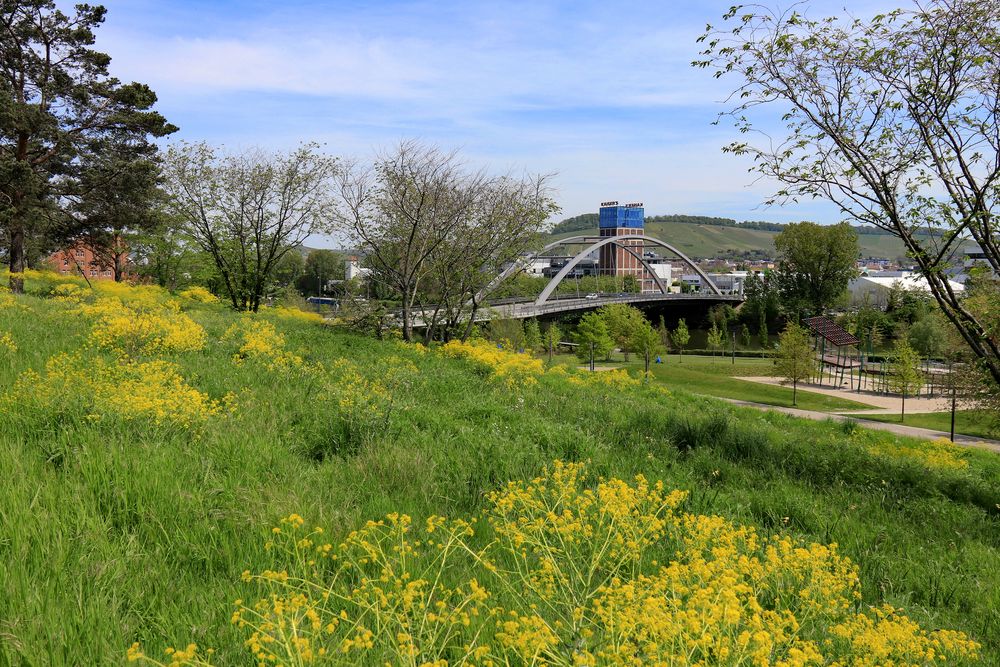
x: 116, y: 535
x: 970, y: 423
x: 719, y: 377
x: 709, y: 241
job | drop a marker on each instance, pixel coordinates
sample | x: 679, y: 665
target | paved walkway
x: 898, y: 429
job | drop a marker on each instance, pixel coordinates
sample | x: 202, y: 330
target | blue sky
x: 602, y: 93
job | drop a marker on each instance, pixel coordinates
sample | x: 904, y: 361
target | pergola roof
x: 830, y: 331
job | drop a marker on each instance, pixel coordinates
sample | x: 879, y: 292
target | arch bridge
x: 626, y: 242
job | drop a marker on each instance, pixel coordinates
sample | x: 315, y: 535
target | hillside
x: 704, y: 237
x: 253, y: 486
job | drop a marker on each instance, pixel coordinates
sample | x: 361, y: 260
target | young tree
x: 664, y: 333
x: 623, y: 321
x: 762, y: 333
x: 532, y: 335
x: 716, y: 340
x: 681, y: 337
x: 247, y: 210
x: 552, y: 337
x: 646, y: 341
x: 793, y: 357
x: 745, y: 337
x: 815, y: 263
x: 56, y: 99
x: 592, y: 333
x: 905, y: 375
x: 894, y: 118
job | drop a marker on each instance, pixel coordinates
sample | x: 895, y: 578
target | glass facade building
x: 614, y: 216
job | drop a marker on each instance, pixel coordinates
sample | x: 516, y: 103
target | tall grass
x: 114, y: 533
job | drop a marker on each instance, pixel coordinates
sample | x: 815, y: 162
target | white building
x: 353, y: 268
x: 728, y: 283
x: 874, y: 289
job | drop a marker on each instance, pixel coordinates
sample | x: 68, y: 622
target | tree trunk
x: 407, y: 318
x: 16, y: 253
x: 795, y: 386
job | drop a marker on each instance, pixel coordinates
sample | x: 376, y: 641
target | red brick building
x: 81, y: 259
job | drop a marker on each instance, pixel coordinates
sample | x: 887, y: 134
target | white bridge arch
x: 618, y: 241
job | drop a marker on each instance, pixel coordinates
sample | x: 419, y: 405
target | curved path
x: 898, y: 429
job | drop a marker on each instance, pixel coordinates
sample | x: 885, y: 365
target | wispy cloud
x: 601, y: 92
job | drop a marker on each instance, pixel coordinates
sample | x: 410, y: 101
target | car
x: 592, y: 295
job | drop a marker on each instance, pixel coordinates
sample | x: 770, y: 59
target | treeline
x: 588, y: 221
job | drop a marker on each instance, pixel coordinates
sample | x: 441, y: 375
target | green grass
x: 114, y: 532
x: 967, y: 422
x: 718, y: 377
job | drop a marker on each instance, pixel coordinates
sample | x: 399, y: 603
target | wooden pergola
x: 837, y: 350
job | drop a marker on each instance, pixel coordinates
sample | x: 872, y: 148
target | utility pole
x: 734, y: 347
x: 951, y: 378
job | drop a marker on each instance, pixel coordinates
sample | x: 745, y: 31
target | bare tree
x: 433, y: 230
x: 509, y: 215
x: 896, y: 119
x: 248, y: 210
x: 402, y: 210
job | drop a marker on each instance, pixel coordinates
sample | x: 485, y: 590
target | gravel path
x: 881, y: 404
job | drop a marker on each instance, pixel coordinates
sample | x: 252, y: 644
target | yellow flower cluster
x: 515, y: 370
x: 7, y: 300
x: 940, y: 454
x: 130, y: 331
x: 189, y: 655
x: 616, y: 379
x: 198, y: 294
x: 359, y: 398
x: 294, y: 314
x: 261, y: 343
x: 7, y: 344
x: 152, y: 392
x: 572, y: 577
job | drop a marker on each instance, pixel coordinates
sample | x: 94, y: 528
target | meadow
x: 719, y: 376
x: 174, y: 473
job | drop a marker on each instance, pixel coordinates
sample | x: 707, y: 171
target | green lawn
x: 967, y: 422
x: 117, y: 529
x: 718, y: 377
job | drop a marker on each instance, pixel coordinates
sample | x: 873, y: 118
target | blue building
x: 616, y: 260
x: 615, y: 216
